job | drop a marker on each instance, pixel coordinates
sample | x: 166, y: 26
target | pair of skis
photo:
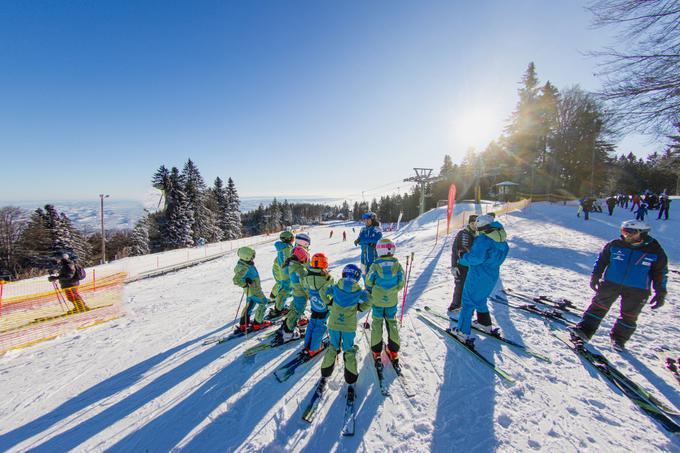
x: 349, y: 419
x: 430, y: 321
x: 642, y: 398
x: 380, y: 372
x: 552, y: 314
x: 217, y: 339
x: 495, y: 336
x: 561, y: 304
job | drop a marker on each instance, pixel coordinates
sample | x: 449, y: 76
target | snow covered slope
x: 145, y: 382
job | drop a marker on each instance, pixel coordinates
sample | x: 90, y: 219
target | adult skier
x: 461, y: 245
x: 281, y: 290
x: 316, y: 282
x: 611, y: 203
x: 641, y: 212
x: 384, y: 280
x: 69, y: 279
x: 247, y: 277
x: 369, y: 236
x: 484, y: 260
x: 588, y: 203
x: 664, y: 206
x: 346, y: 297
x: 625, y: 268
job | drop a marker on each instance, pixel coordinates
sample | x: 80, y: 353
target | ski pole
x: 62, y: 303
x: 409, y: 265
x: 239, y: 306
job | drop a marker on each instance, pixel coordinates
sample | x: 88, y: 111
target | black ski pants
x: 457, y: 300
x: 632, y: 302
x: 663, y: 210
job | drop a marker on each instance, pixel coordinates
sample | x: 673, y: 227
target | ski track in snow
x: 146, y: 383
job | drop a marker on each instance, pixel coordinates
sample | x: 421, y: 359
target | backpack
x: 80, y: 272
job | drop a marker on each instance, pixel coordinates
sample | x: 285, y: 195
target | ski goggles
x: 629, y: 231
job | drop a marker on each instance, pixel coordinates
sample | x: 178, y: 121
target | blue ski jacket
x: 484, y: 260
x: 368, y: 238
x: 635, y: 266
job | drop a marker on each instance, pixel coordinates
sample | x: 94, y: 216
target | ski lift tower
x: 423, y: 177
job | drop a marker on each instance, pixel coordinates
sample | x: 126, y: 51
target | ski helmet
x: 352, y: 272
x: 301, y: 254
x: 319, y: 261
x: 484, y: 221
x: 385, y: 247
x: 246, y: 253
x: 369, y: 215
x: 286, y: 236
x: 303, y: 240
x: 635, y: 226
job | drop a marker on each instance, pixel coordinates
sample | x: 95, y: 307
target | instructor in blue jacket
x: 369, y: 236
x: 627, y: 267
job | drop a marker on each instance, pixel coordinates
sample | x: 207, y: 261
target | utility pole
x: 101, y: 200
x: 422, y: 177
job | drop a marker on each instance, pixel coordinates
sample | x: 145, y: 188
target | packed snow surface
x: 146, y: 383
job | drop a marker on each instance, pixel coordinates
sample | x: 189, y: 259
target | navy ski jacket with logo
x: 635, y: 266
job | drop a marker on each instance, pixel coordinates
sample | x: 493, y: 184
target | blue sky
x: 323, y: 98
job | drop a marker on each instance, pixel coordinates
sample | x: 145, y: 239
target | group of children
x: 333, y: 305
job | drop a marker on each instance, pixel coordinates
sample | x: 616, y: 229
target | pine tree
x: 176, y: 229
x: 287, y: 213
x: 35, y: 243
x: 233, y: 217
x: 140, y: 238
x: 204, y: 224
x: 161, y: 181
x: 221, y: 205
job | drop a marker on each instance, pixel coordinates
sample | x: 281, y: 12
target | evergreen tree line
x: 279, y: 215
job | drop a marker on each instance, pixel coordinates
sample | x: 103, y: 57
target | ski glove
x: 595, y: 283
x: 356, y: 242
x: 657, y: 301
x: 455, y: 271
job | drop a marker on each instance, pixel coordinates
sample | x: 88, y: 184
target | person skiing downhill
x: 461, y: 245
x: 369, y: 236
x: 484, y: 260
x: 384, y: 281
x: 281, y: 290
x: 247, y: 277
x: 297, y: 269
x: 69, y: 280
x: 625, y: 268
x: 315, y: 284
x: 345, y: 297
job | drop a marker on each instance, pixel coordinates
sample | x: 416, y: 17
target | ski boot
x: 495, y: 331
x: 454, y: 307
x: 617, y: 344
x: 577, y: 335
x: 262, y: 325
x: 309, y: 353
x: 467, y: 340
x: 394, y: 358
x: 377, y: 360
x: 242, y: 328
x: 289, y: 336
x: 302, y: 321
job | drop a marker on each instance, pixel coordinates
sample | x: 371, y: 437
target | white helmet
x: 484, y: 220
x: 637, y: 225
x: 385, y: 247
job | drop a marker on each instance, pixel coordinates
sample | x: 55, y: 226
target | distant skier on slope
x: 281, y: 290
x: 369, y: 236
x: 641, y: 212
x: 316, y: 282
x: 484, y: 260
x: 461, y: 245
x: 664, y: 206
x: 69, y: 279
x: 346, y: 297
x: 625, y: 268
x: 384, y: 281
x: 611, y: 204
x: 247, y: 277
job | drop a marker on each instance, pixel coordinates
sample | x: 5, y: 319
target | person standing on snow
x: 611, y: 203
x: 664, y: 206
x: 641, y: 212
x: 69, y: 278
x: 247, y: 277
x: 344, y: 236
x: 484, y: 260
x: 384, y: 281
x: 346, y: 298
x: 297, y: 269
x: 588, y: 203
x: 625, y: 268
x: 461, y: 245
x: 369, y: 236
x: 316, y: 282
x: 281, y: 290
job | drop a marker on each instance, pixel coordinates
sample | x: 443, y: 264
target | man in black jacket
x: 627, y: 267
x: 461, y: 245
x: 69, y: 281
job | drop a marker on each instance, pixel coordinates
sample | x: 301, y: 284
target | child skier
x: 316, y: 282
x: 346, y: 298
x: 384, y: 280
x: 297, y: 269
x: 247, y: 277
x: 281, y: 291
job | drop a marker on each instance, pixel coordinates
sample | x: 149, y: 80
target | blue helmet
x: 369, y: 215
x: 303, y: 239
x: 352, y: 272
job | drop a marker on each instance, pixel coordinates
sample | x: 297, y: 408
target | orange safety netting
x: 38, y: 310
